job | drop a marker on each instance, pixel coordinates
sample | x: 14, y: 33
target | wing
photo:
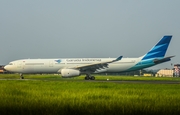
x: 95, y: 66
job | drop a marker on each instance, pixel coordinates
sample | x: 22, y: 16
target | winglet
x: 117, y: 59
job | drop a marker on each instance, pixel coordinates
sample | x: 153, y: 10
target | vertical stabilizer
x: 159, y: 50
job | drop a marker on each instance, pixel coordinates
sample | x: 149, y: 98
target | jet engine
x: 70, y: 72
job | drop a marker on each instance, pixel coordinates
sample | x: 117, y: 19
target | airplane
x: 73, y: 67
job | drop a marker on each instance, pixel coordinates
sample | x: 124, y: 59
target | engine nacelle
x: 70, y: 72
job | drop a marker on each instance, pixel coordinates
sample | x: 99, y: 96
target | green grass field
x: 51, y: 95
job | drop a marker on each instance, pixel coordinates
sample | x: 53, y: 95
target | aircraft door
x: 20, y: 65
x: 51, y: 63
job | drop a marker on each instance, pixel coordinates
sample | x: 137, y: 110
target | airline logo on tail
x: 155, y: 55
x: 159, y: 50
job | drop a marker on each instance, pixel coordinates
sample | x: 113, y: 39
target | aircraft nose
x: 6, y: 67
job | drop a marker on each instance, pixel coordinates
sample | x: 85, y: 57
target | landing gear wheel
x: 86, y: 78
x: 92, y: 78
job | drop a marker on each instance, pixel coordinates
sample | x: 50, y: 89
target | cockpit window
x: 10, y: 63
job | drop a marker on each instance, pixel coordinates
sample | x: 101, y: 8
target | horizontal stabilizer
x: 157, y: 61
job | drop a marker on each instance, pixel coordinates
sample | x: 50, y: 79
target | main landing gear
x: 21, y: 76
x: 89, y: 77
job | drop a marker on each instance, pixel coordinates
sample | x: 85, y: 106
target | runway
x: 136, y: 81
x: 105, y: 81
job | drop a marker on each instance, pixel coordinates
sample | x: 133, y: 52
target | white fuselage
x: 52, y: 66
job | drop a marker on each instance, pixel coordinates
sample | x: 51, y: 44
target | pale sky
x: 87, y: 28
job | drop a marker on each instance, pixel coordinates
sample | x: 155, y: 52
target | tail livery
x: 154, y: 56
x: 159, y: 50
